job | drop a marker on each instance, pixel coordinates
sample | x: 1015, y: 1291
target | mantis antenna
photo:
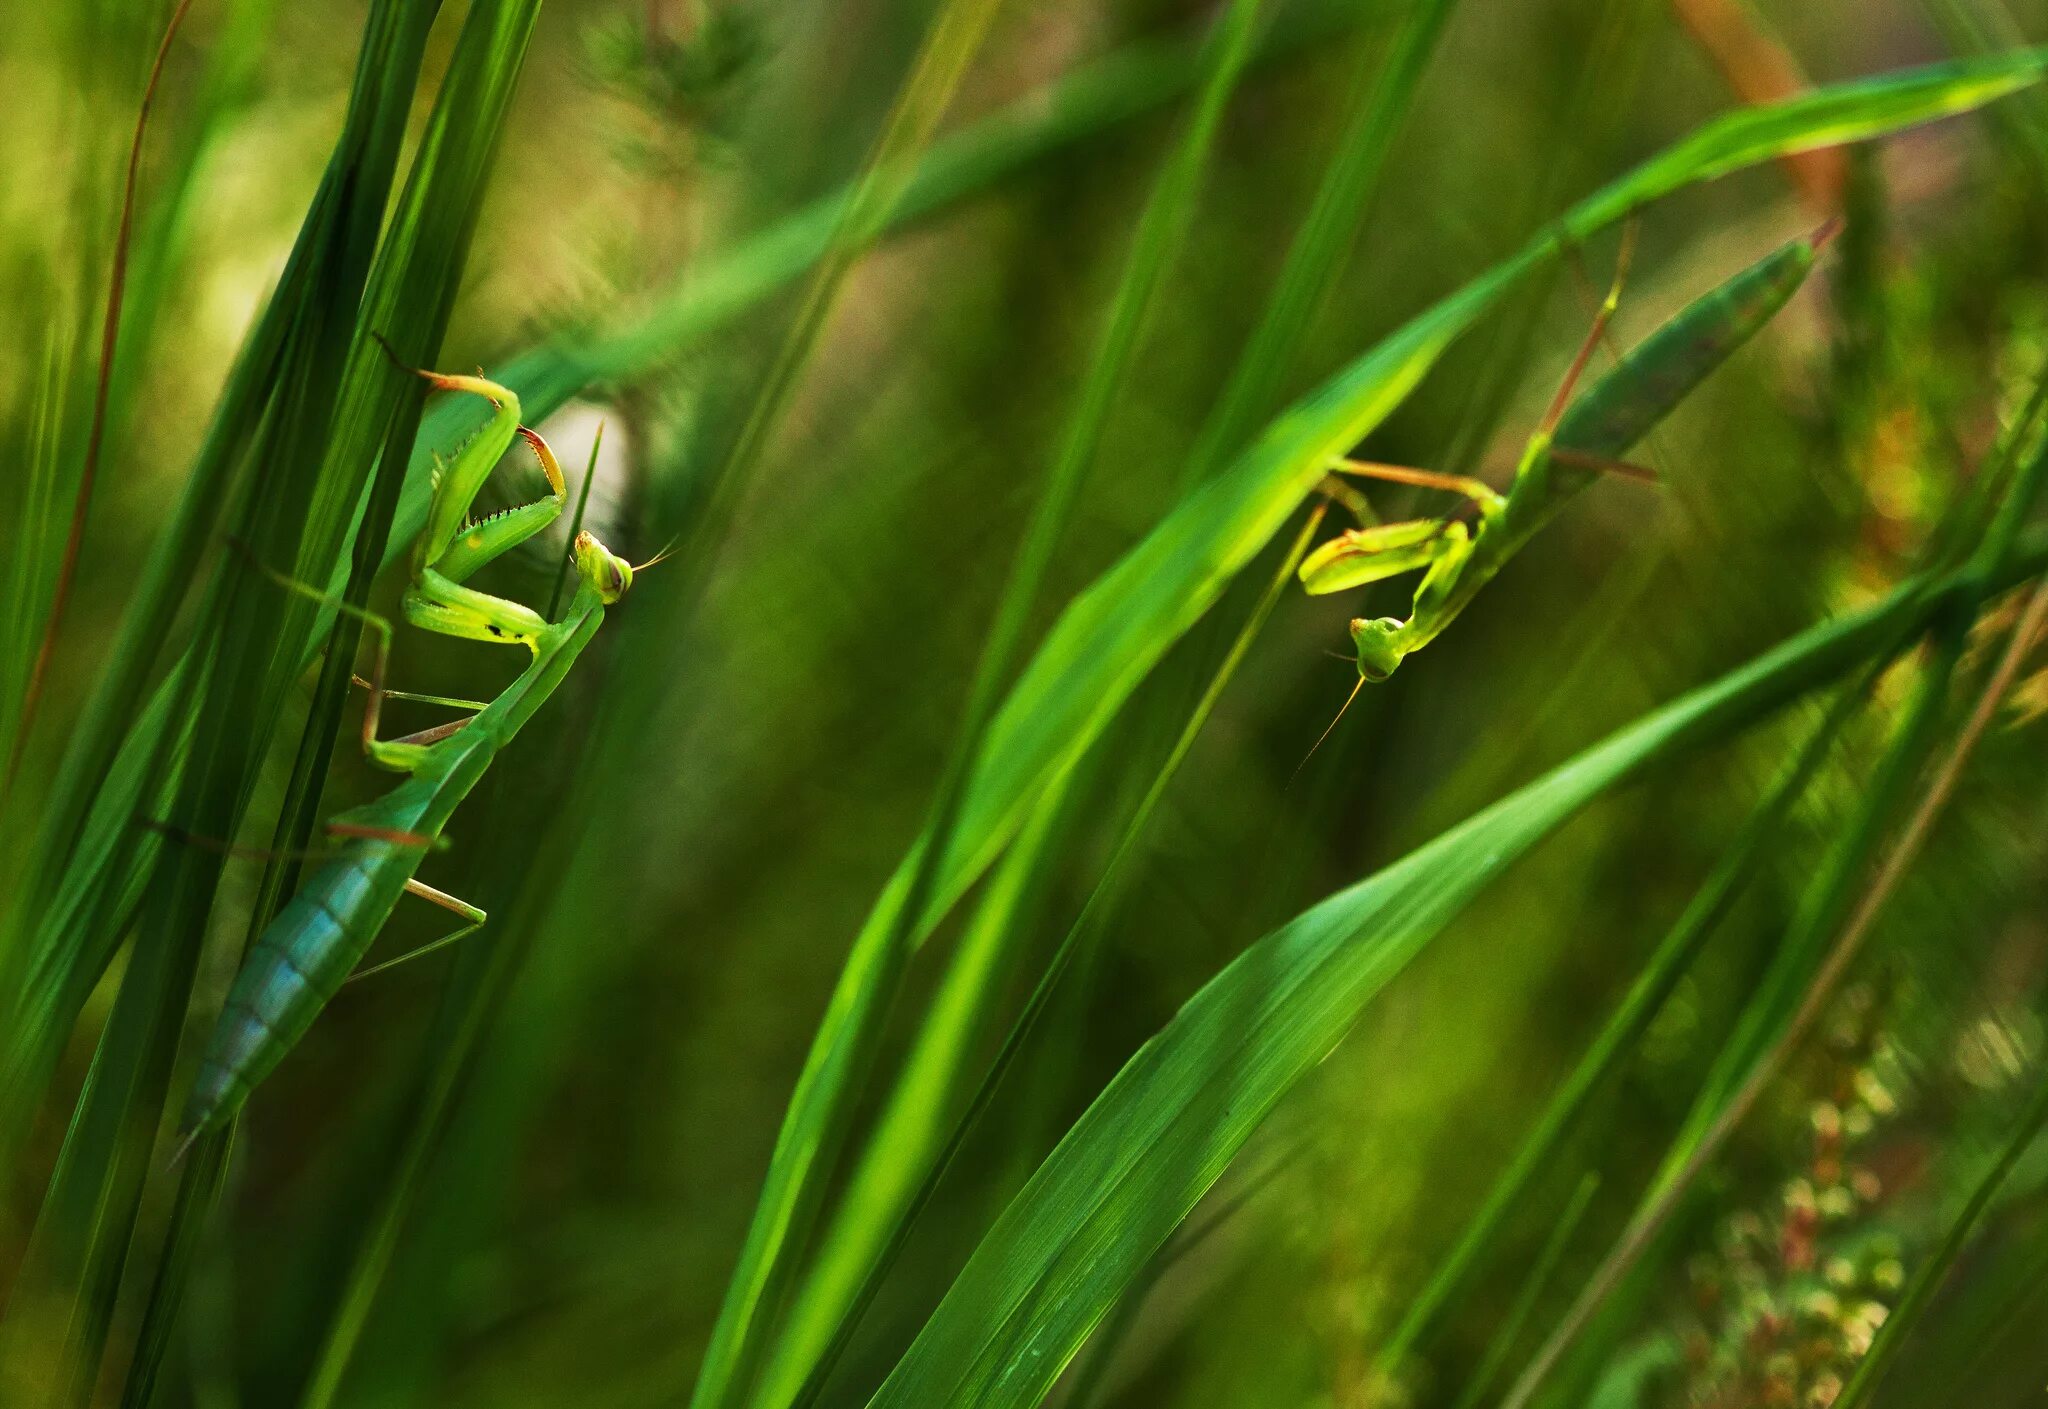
x: 1341, y: 711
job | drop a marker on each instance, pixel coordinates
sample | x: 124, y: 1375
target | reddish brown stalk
x: 237, y: 852
x: 117, y: 284
x: 1595, y: 334
x: 1758, y: 68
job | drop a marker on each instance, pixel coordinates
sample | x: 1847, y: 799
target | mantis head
x: 1378, y: 652
x: 606, y: 573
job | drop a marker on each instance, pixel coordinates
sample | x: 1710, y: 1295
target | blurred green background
x: 679, y: 850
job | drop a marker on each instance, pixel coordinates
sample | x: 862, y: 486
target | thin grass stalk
x: 820, y: 1112
x: 1870, y: 1371
x: 917, y: 1116
x: 1913, y: 741
x: 1327, y: 232
x: 1503, y: 1339
x: 1081, y: 936
x: 1624, y: 1028
x: 95, y: 438
x: 1161, y: 229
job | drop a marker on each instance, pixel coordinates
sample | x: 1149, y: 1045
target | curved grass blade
x: 108, y: 776
x: 821, y: 1111
x: 82, y: 1238
x: 1112, y: 634
x: 1327, y: 231
x: 1170, y: 1122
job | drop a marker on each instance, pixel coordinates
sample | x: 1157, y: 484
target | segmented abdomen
x: 294, y: 968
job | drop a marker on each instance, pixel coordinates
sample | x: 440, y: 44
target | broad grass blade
x: 1168, y: 1125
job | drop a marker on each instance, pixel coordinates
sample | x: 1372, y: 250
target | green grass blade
x: 82, y: 1239
x: 1328, y: 230
x: 822, y: 1109
x: 1112, y: 634
x: 1170, y: 1122
x: 1503, y: 1339
x: 1622, y: 1031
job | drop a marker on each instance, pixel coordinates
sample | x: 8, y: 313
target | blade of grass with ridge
x: 82, y: 1236
x: 1170, y: 1122
x: 419, y: 268
x: 61, y: 940
x: 891, y: 1171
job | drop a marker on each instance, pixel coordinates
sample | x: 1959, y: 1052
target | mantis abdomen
x: 303, y: 956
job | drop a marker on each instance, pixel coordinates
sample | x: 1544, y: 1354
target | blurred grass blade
x: 1111, y: 635
x: 1510, y: 1329
x: 1169, y: 1124
x: 1260, y: 375
x: 2026, y: 635
x: 277, y: 416
x: 95, y: 436
x: 1127, y: 85
x: 410, y: 295
x: 1618, y: 1037
x: 842, y: 1055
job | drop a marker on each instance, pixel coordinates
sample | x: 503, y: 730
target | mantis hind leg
x: 473, y: 914
x: 401, y: 755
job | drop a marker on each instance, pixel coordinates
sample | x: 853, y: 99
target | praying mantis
x: 316, y: 940
x: 1577, y: 440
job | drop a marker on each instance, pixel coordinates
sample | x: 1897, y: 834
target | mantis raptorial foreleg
x: 312, y: 944
x: 452, y: 548
x: 1581, y: 435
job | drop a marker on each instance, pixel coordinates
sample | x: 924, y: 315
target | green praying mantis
x: 315, y: 942
x: 1579, y: 439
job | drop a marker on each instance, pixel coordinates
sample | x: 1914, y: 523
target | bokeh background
x: 753, y: 767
